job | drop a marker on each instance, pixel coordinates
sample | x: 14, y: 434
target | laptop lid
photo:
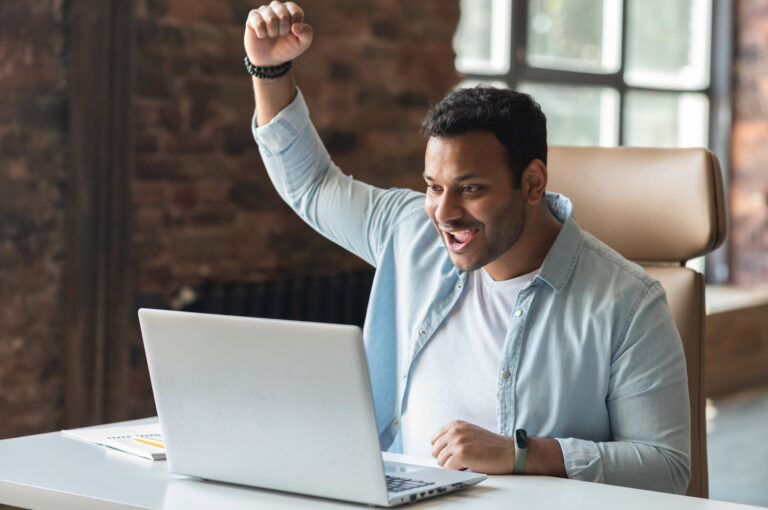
x: 275, y: 404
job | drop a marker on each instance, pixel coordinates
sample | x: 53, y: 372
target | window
x: 606, y: 72
x: 609, y: 72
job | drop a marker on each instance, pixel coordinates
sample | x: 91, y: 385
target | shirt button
x: 422, y: 332
x: 405, y: 376
x: 505, y: 374
x: 458, y: 286
x: 518, y: 312
x: 396, y: 422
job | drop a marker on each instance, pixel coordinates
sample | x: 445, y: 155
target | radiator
x: 339, y: 298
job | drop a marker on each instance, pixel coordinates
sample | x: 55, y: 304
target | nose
x: 448, y: 208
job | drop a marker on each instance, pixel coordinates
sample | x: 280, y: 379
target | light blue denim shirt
x: 591, y: 358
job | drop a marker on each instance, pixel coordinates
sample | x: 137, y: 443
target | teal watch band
x: 521, y: 450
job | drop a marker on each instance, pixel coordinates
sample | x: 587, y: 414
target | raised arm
x: 355, y: 215
x: 275, y: 34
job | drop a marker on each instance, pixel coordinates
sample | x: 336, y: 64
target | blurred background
x: 129, y: 176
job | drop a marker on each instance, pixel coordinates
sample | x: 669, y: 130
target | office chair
x: 660, y: 208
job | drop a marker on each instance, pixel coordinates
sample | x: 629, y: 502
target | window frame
x: 718, y: 90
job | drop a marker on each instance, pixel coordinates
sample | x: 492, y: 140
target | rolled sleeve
x: 282, y: 130
x: 582, y: 460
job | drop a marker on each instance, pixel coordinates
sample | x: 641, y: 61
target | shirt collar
x: 559, y: 263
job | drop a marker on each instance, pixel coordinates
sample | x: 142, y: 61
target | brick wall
x: 203, y: 206
x: 32, y: 230
x: 749, y: 178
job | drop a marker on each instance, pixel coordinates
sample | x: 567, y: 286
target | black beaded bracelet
x: 269, y: 73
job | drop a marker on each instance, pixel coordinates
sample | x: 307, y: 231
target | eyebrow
x: 460, y: 178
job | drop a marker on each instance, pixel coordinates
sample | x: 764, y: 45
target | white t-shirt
x: 456, y: 375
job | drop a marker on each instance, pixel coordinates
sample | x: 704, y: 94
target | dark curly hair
x: 515, y: 118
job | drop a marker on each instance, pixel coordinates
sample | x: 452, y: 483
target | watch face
x: 521, y: 438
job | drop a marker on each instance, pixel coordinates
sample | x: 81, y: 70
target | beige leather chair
x: 660, y: 208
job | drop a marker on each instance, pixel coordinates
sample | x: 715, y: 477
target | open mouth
x: 459, y: 240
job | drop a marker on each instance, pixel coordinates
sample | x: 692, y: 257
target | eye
x: 469, y: 189
x: 433, y: 188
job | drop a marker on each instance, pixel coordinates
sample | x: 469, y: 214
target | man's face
x: 470, y: 198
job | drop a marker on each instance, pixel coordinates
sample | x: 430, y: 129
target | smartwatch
x: 521, y: 450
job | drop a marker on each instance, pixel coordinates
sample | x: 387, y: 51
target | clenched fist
x: 275, y: 34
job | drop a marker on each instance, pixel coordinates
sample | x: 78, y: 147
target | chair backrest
x: 660, y: 208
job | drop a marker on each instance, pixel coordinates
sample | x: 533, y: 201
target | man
x: 493, y: 312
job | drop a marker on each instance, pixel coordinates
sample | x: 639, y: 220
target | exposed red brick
x: 203, y: 207
x: 32, y: 215
x: 748, y: 240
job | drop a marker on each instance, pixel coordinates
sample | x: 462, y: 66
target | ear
x: 534, y: 181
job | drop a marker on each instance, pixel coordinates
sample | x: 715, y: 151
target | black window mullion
x: 622, y: 87
x: 544, y: 75
x: 674, y: 90
x: 719, y: 90
x: 519, y: 42
x: 718, y: 262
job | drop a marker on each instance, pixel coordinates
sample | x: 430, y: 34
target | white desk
x: 49, y: 471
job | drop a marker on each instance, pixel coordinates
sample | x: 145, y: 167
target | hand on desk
x: 462, y: 445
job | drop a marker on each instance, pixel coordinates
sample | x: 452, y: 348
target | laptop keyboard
x: 399, y: 483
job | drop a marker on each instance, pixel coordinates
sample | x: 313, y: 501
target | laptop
x: 276, y: 404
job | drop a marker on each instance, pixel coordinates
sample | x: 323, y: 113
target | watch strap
x: 521, y: 450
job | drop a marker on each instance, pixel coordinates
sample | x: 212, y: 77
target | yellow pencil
x: 150, y: 441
